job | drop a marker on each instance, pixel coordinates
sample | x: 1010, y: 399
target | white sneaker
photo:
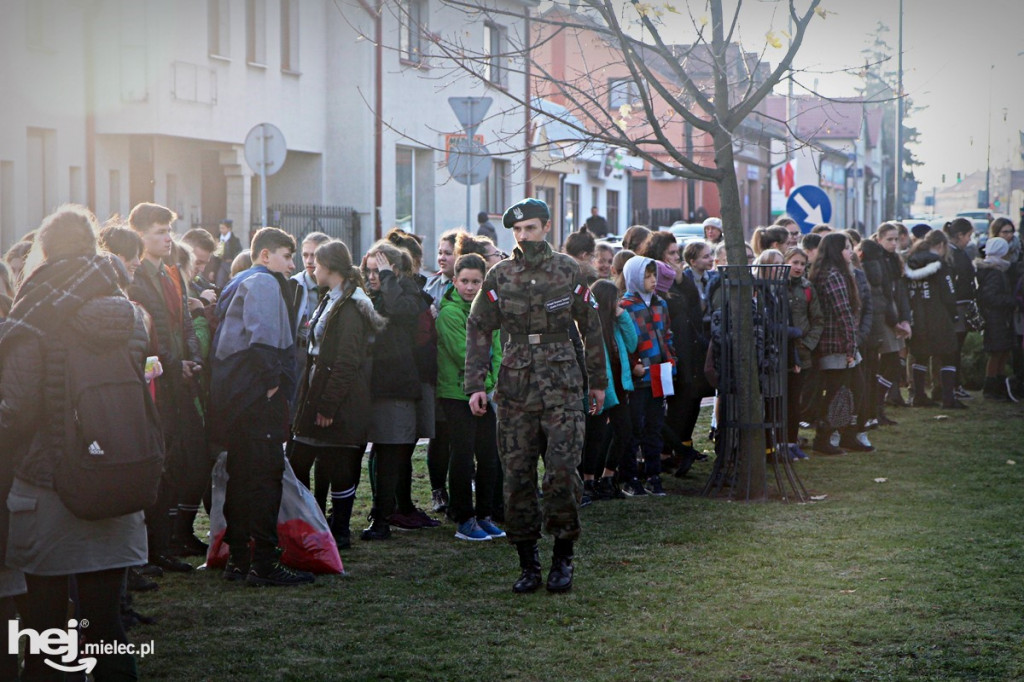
x: 833, y: 440
x: 862, y: 438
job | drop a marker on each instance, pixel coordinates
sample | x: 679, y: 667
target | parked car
x: 686, y: 232
x: 981, y: 218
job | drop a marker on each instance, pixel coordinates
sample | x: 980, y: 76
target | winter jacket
x: 689, y: 332
x: 932, y: 305
x: 341, y: 373
x: 176, y: 339
x: 866, y: 319
x: 436, y: 286
x: 253, y: 352
x: 839, y: 335
x: 805, y: 313
x: 652, y: 322
x: 963, y: 274
x: 996, y: 302
x: 895, y: 288
x: 624, y: 335
x: 72, y: 300
x: 451, y: 348
x: 395, y: 374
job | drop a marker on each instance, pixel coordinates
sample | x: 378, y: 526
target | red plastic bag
x: 302, y: 529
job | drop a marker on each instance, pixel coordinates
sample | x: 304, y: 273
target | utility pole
x: 988, y: 151
x: 898, y: 163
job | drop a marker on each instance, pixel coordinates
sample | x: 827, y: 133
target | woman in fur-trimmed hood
x: 334, y: 408
x: 932, y: 317
x: 996, y: 303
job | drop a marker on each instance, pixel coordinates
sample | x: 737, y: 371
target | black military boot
x: 529, y: 561
x: 560, y: 577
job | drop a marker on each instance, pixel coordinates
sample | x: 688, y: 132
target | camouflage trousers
x: 523, y: 436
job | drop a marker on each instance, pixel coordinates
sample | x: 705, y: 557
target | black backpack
x: 113, y: 451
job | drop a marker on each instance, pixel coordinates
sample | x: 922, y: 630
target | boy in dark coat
x: 253, y: 360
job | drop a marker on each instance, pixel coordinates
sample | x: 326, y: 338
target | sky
x: 957, y: 54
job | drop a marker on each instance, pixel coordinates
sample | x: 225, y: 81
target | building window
x: 612, y: 210
x: 218, y: 28
x: 290, y: 36
x: 172, y: 193
x: 405, y: 183
x: 256, y: 32
x: 76, y: 185
x: 41, y: 175
x: 495, y: 188
x: 572, y: 208
x: 412, y: 19
x: 622, y: 91
x: 494, y: 48
x: 114, y: 191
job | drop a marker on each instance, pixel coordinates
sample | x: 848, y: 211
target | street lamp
x: 988, y: 152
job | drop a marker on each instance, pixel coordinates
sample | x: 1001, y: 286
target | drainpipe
x: 90, y: 116
x: 378, y: 104
x: 528, y: 185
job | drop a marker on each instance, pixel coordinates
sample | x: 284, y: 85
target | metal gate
x: 768, y: 346
x: 298, y: 220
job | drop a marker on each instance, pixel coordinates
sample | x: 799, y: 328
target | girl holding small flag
x: 653, y: 368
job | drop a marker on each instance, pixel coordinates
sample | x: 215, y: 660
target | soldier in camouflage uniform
x: 536, y: 297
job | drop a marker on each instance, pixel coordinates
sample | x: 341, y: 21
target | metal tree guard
x: 769, y: 349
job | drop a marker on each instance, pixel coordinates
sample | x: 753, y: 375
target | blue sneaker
x: 489, y: 528
x: 796, y: 453
x: 471, y: 530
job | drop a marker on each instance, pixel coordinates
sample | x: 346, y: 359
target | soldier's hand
x: 478, y: 404
x: 596, y: 400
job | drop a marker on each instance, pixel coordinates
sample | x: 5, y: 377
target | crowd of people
x: 596, y: 359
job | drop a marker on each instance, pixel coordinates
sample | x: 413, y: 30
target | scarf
x: 55, y: 291
x: 534, y: 253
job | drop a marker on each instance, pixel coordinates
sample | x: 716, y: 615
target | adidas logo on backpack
x: 95, y: 449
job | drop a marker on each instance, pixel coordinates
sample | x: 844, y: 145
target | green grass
x: 920, y: 577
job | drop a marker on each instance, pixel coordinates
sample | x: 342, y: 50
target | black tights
x: 45, y: 606
x: 342, y: 465
x: 393, y: 473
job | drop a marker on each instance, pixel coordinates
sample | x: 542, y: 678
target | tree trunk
x: 750, y: 482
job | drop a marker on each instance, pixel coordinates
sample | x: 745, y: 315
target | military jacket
x: 542, y: 293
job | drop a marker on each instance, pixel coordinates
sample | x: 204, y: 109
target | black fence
x: 656, y: 217
x: 298, y: 220
x: 765, y: 343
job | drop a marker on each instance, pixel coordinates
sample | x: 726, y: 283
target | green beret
x: 524, y: 210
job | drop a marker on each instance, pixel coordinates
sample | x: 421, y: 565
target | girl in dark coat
x: 805, y: 314
x: 395, y: 387
x: 933, y: 317
x: 73, y: 296
x: 959, y: 231
x: 833, y: 278
x: 333, y: 414
x: 995, y: 299
x: 897, y: 313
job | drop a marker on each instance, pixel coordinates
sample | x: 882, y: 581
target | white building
x: 113, y: 102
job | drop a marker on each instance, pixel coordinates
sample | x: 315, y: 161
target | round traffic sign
x: 265, y: 148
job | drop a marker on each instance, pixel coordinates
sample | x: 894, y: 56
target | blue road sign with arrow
x: 808, y: 205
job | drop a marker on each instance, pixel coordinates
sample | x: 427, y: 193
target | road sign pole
x: 469, y: 136
x: 263, y: 177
